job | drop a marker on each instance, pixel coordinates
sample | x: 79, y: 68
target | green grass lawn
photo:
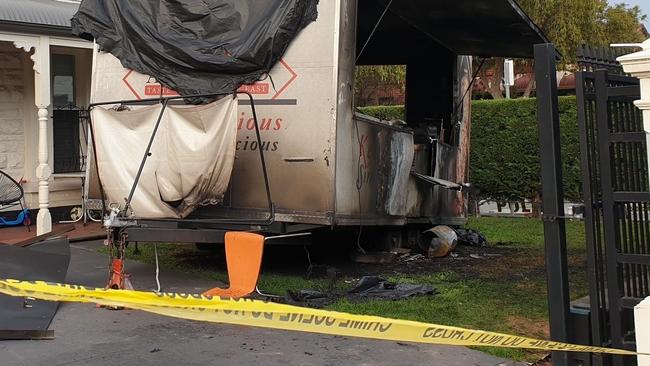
x: 505, y: 293
x: 525, y: 233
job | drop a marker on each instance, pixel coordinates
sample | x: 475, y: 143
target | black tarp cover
x: 195, y: 46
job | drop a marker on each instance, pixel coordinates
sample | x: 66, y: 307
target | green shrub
x: 505, y: 163
x: 384, y: 112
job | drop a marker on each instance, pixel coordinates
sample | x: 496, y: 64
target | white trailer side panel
x: 296, y: 109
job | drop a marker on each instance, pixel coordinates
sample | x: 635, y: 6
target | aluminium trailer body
x: 327, y: 164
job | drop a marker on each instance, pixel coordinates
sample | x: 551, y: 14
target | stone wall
x: 12, y: 132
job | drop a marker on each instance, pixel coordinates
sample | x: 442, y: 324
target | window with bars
x: 68, y: 120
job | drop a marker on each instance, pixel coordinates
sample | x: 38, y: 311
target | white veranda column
x: 42, y: 97
x: 43, y: 173
x: 42, y: 100
x: 638, y: 65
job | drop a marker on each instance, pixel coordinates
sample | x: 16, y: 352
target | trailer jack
x: 117, y: 279
x: 116, y: 241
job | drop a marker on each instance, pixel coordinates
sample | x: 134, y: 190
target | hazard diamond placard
x: 272, y: 87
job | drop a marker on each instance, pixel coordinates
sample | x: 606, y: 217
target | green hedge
x: 505, y: 147
x: 384, y: 112
x: 505, y: 163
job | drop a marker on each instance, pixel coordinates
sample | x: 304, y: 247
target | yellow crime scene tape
x: 280, y: 316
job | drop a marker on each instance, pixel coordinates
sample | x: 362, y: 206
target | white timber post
x: 42, y: 93
x: 638, y: 65
x: 642, y: 323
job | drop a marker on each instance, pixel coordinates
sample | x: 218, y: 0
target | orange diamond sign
x: 142, y: 86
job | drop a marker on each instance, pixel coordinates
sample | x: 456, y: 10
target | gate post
x: 642, y: 322
x: 552, y: 196
x: 638, y: 65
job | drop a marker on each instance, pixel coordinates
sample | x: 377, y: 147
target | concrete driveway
x: 86, y: 335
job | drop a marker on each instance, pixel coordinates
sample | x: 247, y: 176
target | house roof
x: 476, y: 27
x: 38, y: 16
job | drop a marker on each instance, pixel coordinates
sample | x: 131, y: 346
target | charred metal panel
x: 463, y: 119
x: 345, y: 111
x: 420, y: 194
x: 373, y: 163
x: 396, y: 159
x: 448, y: 203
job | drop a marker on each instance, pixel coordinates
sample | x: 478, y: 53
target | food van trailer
x: 317, y: 162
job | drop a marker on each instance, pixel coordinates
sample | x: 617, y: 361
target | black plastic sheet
x: 195, y: 46
x: 367, y: 288
x: 373, y: 287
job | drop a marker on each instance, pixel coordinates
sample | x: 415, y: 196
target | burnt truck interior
x: 429, y: 67
x: 428, y: 37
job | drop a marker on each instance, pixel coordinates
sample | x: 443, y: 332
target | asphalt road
x: 85, y: 335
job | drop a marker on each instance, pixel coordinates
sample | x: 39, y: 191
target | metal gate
x: 617, y: 200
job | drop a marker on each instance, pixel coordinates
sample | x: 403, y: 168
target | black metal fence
x: 601, y: 58
x: 617, y: 199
